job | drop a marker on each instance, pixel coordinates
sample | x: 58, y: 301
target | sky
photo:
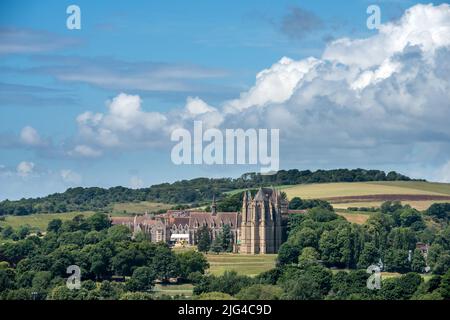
x: 96, y: 106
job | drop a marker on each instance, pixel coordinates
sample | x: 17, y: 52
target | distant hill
x: 185, y: 191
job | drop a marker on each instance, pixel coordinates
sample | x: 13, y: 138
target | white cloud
x: 25, y: 168
x: 84, y: 151
x: 365, y: 102
x: 30, y: 136
x: 427, y: 26
x: 124, y: 121
x: 70, y: 177
x: 273, y: 85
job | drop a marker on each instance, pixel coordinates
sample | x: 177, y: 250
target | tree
x: 227, y: 238
x: 99, y: 221
x: 54, y: 225
x: 439, y: 211
x: 308, y: 257
x: 369, y: 256
x: 260, y: 292
x: 442, y: 264
x: 41, y: 280
x: 301, y: 288
x: 216, y: 246
x: 445, y: 285
x: 7, y: 277
x: 418, y: 262
x: 401, y: 288
x: 126, y: 260
x: 204, y: 239
x: 190, y: 262
x: 119, y: 233
x: 136, y: 296
x: 214, y: 296
x: 397, y: 260
x: 7, y: 232
x: 142, y: 279
x: 287, y: 254
x: 164, y: 263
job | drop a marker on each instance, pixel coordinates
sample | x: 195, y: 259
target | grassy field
x: 250, y: 265
x: 334, y: 190
x: 132, y: 208
x: 40, y: 221
x: 173, y: 289
x: 354, y: 216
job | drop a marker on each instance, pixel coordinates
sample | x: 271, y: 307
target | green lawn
x: 41, y: 220
x: 250, y: 265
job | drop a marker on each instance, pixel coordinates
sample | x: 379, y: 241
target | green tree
x: 216, y: 245
x: 308, y: 257
x: 99, y: 221
x: 165, y: 264
x: 445, y: 285
x: 260, y: 292
x: 142, y: 279
x: 418, y: 262
x: 204, y: 239
x: 190, y: 262
x: 287, y: 254
x: 54, y: 225
x: 227, y: 238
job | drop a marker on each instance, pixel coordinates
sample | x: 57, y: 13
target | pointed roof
x: 260, y: 195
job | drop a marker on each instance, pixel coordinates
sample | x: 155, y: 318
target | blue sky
x: 167, y: 51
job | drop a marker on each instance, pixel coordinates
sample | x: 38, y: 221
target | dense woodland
x: 116, y: 265
x: 183, y: 192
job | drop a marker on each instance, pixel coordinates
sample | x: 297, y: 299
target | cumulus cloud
x: 124, y: 121
x: 25, y: 168
x: 364, y: 102
x: 30, y: 136
x: 84, y: 151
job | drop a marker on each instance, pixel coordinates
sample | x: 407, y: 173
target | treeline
x: 185, y: 191
x: 388, y: 238
x: 113, y: 264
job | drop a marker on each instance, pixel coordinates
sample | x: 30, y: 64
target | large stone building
x: 262, y: 224
x: 258, y: 229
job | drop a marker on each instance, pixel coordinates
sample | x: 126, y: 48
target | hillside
x: 183, y: 192
x: 418, y: 194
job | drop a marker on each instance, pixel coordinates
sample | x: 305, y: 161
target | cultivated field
x: 371, y: 194
x: 354, y: 216
x: 250, y: 265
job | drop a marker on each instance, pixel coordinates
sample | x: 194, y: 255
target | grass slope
x: 40, y: 221
x: 249, y: 265
x: 131, y: 208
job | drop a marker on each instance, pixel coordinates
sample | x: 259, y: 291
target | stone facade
x: 262, y: 224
